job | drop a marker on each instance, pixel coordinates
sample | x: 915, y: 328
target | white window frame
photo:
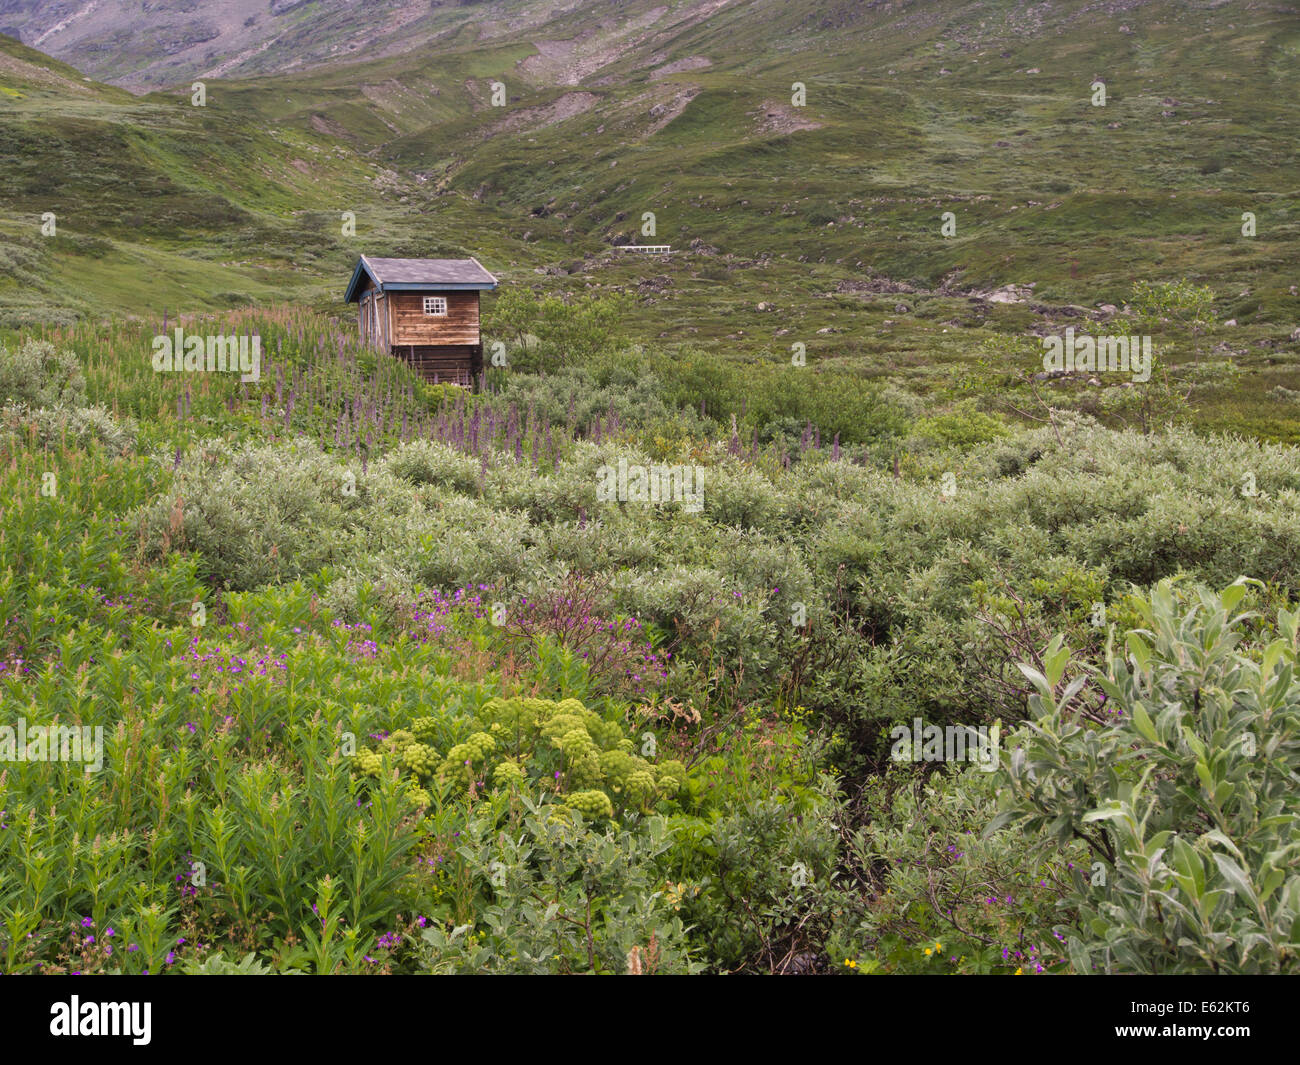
x: 435, y: 306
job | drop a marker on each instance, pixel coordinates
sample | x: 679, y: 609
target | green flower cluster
x: 591, y: 804
x: 508, y: 773
x: 519, y: 739
x: 596, y: 757
x: 466, y: 760
x: 369, y: 763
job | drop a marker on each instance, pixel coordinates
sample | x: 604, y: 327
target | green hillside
x: 911, y: 111
x: 766, y: 607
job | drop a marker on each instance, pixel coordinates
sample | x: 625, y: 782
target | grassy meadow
x: 950, y: 666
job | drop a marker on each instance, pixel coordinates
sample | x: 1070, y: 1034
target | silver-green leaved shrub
x: 561, y: 895
x: 1177, y: 764
x: 736, y: 494
x: 40, y: 375
x: 562, y: 494
x: 614, y: 542
x: 431, y: 462
x: 257, y: 514
x: 698, y: 603
x: 43, y: 389
x: 72, y: 426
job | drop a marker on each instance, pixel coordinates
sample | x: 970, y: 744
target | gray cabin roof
x: 407, y: 274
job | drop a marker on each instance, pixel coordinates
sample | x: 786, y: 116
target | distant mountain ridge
x: 149, y: 44
x: 535, y: 134
x: 145, y: 44
x: 142, y: 45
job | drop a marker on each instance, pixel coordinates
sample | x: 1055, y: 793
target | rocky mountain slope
x: 802, y: 155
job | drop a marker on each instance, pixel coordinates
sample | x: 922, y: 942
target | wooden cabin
x: 424, y: 311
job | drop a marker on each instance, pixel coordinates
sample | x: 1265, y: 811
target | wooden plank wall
x: 365, y: 311
x: 410, y: 325
x: 454, y: 363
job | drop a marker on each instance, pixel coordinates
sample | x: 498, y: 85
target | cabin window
x: 435, y: 305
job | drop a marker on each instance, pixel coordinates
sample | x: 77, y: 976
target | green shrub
x: 941, y: 897
x: 78, y: 427
x: 39, y: 375
x: 429, y: 462
x: 580, y: 395
x: 1178, y: 301
x: 253, y: 514
x: 962, y: 428
x: 562, y: 896
x: 762, y: 873
x: 569, y: 330
x: 447, y: 394
x: 1174, y: 763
